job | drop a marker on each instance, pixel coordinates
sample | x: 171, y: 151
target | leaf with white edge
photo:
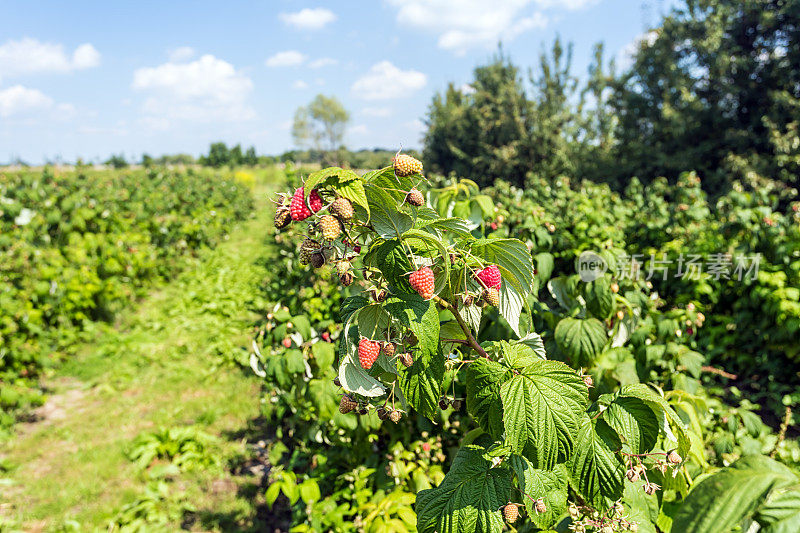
x: 469, y: 498
x: 484, y: 378
x: 533, y: 341
x: 634, y: 421
x: 667, y: 416
x: 549, y: 485
x: 511, y: 303
x: 355, y: 379
x: 542, y: 406
x: 595, y: 469
x: 387, y: 220
x: 724, y: 500
x: 581, y: 339
x: 512, y: 258
x: 422, y: 382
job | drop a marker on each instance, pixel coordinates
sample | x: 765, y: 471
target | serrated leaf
x: 723, y: 500
x: 781, y: 513
x: 549, y: 485
x: 355, y: 379
x: 535, y: 342
x: 511, y: 303
x: 422, y: 382
x: 328, y: 176
x: 469, y: 498
x: 542, y: 406
x: 440, y: 226
x: 641, y: 508
x: 512, y: 258
x: 581, y: 339
x: 385, y: 217
x: 484, y: 378
x: 373, y: 322
x: 393, y: 263
x: 664, y: 412
x: 634, y: 421
x: 595, y: 469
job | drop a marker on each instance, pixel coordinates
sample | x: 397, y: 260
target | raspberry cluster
x: 423, y: 282
x: 298, y: 207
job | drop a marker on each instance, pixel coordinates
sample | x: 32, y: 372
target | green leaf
x: 484, y: 378
x: 440, y: 226
x: 395, y: 266
x: 328, y: 176
x: 421, y: 383
x: 641, y: 508
x: 350, y: 305
x: 581, y: 339
x: 549, y: 485
x: 534, y: 342
x: 599, y: 298
x: 634, y: 421
x: 667, y: 416
x: 469, y: 498
x: 781, y: 513
x: 595, y: 468
x: 385, y: 217
x: 511, y: 303
x: 430, y: 243
x: 373, y: 322
x: 544, y: 266
x: 542, y: 406
x: 724, y: 500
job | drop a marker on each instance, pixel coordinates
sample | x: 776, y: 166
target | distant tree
x: 321, y: 124
x: 117, y: 161
x: 147, y: 161
x: 250, y: 157
x: 235, y: 155
x: 218, y: 155
x: 715, y: 89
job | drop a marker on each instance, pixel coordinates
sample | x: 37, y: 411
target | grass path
x: 166, y: 363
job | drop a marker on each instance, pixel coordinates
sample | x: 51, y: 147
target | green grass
x: 169, y: 362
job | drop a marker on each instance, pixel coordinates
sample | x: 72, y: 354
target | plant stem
x: 470, y: 339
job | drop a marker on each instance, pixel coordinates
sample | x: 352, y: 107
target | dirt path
x: 170, y: 362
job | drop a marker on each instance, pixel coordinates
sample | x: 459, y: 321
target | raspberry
x: 282, y: 218
x: 317, y: 259
x: 674, y: 458
x: 298, y: 207
x: 388, y: 349
x: 405, y: 165
x: 406, y: 359
x: 415, y: 198
x: 314, y: 201
x: 342, y: 208
x: 588, y: 381
x: 383, y: 414
x: 540, y: 506
x: 422, y: 281
x: 490, y: 276
x: 346, y: 279
x: 395, y: 416
x: 456, y: 405
x: 368, y: 352
x: 347, y: 404
x: 511, y: 512
x: 330, y: 227
x: 492, y: 296
x: 443, y: 403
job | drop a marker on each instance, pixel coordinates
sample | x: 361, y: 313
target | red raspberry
x: 368, y: 352
x: 422, y: 281
x: 298, y: 207
x: 490, y: 276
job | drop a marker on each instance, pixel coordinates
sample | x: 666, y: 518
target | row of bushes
x: 76, y: 247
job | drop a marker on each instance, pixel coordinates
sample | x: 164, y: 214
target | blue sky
x: 88, y: 79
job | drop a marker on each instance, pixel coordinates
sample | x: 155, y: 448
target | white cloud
x: 385, y: 81
x: 323, y: 62
x: 359, y: 129
x: 28, y: 56
x: 182, y: 53
x: 309, y: 19
x: 626, y: 55
x: 566, y: 4
x: 287, y: 58
x: 205, y: 89
x: 379, y: 112
x: 300, y: 85
x: 463, y: 24
x: 18, y: 100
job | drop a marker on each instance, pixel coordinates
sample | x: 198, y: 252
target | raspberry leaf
x: 484, y: 379
x: 331, y: 176
x: 373, y: 322
x: 386, y: 219
x: 549, y: 485
x: 542, y: 406
x: 469, y: 498
x: 352, y: 376
x: 581, y: 339
x: 421, y: 383
x: 596, y: 469
x: 667, y: 417
x: 634, y: 422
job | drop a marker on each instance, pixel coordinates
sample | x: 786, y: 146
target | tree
x: 218, y: 155
x: 321, y: 124
x: 715, y: 89
x: 117, y: 161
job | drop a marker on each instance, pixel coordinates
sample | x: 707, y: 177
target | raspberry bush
x: 420, y: 283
